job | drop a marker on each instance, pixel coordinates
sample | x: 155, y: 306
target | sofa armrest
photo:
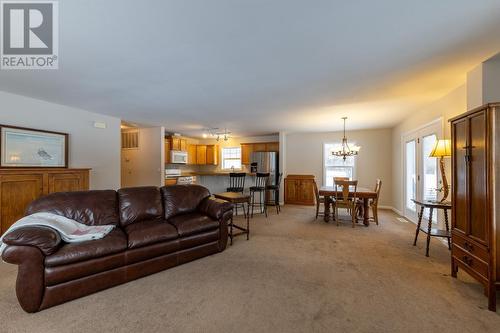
x: 215, y: 208
x: 45, y: 239
x: 30, y: 275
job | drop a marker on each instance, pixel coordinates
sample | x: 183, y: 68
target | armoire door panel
x: 478, y: 180
x: 460, y: 175
x: 17, y: 192
x: 66, y: 182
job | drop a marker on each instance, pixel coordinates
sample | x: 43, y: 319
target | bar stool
x: 275, y: 190
x: 261, y: 180
x: 237, y: 185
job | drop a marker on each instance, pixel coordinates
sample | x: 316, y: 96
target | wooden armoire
x: 475, y: 140
x: 19, y: 186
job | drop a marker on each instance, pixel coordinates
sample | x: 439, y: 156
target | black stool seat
x: 272, y: 187
x: 257, y: 188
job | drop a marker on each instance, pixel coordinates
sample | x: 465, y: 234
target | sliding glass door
x: 420, y: 171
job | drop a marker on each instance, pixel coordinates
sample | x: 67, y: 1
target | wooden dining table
x: 362, y: 193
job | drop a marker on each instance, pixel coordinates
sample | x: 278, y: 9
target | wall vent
x: 130, y: 139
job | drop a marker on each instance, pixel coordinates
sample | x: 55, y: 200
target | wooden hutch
x: 20, y: 186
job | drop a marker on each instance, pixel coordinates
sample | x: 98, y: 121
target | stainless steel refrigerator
x: 266, y: 162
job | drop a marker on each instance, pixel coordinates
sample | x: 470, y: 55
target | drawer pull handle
x: 467, y: 260
x: 469, y: 247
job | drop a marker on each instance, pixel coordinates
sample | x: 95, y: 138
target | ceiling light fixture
x: 225, y: 135
x: 346, y: 151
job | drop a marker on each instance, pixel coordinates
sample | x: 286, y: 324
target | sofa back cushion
x: 87, y: 207
x: 182, y: 199
x: 139, y: 203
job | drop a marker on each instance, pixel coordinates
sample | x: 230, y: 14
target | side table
x: 430, y: 231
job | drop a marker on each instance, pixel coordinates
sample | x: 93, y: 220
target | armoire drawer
x: 470, y: 261
x: 474, y: 248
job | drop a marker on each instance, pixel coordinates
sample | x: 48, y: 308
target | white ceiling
x: 261, y: 66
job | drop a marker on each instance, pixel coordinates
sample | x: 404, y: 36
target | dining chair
x: 237, y: 185
x: 340, y: 178
x: 345, y: 197
x: 373, y: 204
x: 319, y: 200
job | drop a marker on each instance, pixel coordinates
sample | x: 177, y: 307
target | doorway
x: 421, y: 172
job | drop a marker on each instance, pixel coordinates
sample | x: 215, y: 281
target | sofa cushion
x: 182, y: 199
x: 87, y: 207
x: 114, y: 242
x: 193, y: 223
x: 149, y: 232
x: 139, y: 203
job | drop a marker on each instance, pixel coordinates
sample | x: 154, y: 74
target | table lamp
x: 442, y: 149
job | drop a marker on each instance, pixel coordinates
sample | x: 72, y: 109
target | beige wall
x: 90, y: 147
x: 304, y: 155
x: 145, y: 166
x: 475, y: 87
x: 450, y: 105
x: 491, y: 80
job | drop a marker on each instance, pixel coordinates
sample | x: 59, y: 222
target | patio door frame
x: 433, y: 127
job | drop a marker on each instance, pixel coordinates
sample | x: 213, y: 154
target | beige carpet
x: 294, y: 275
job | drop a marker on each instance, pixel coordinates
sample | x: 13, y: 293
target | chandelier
x: 346, y: 151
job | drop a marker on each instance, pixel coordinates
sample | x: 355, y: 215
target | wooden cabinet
x: 273, y: 146
x: 170, y: 181
x: 248, y: 148
x: 246, y: 153
x: 177, y: 143
x: 167, y: 151
x: 191, y: 149
x: 259, y: 147
x: 201, y: 154
x: 299, y: 190
x: 475, y: 224
x: 18, y: 187
x: 212, y: 154
x: 183, y: 145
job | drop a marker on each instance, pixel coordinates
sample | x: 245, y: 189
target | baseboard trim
x: 391, y: 208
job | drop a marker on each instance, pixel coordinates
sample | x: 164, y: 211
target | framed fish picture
x: 31, y: 148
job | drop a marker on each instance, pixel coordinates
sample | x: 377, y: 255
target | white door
x: 420, y: 171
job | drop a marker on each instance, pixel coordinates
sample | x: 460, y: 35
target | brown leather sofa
x: 156, y: 228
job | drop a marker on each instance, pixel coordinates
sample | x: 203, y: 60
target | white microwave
x: 178, y: 157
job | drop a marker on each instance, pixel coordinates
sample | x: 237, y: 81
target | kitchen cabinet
x: 475, y: 223
x: 259, y: 147
x: 191, y: 149
x: 248, y: 148
x: 273, y: 146
x: 299, y: 190
x: 167, y: 151
x: 177, y: 143
x: 170, y: 181
x: 246, y: 153
x: 212, y: 154
x: 201, y: 154
x: 19, y: 187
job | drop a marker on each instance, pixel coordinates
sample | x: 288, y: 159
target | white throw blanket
x: 69, y: 230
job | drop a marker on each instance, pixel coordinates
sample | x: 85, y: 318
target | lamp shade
x: 441, y: 149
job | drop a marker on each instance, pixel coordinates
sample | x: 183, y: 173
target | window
x: 334, y: 166
x: 231, y: 158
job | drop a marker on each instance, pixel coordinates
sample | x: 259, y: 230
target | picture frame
x: 22, y: 147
